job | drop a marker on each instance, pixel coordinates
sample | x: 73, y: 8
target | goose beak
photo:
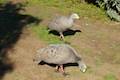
x: 84, y: 70
x: 78, y: 18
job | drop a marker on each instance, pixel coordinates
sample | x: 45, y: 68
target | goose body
x: 60, y: 54
x: 62, y: 23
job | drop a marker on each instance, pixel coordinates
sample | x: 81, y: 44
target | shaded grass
x: 12, y: 23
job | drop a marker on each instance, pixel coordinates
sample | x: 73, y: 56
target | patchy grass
x: 47, y: 10
x: 98, y: 62
x: 67, y: 6
x: 98, y: 43
x: 110, y: 77
x: 3, y: 1
x: 44, y: 35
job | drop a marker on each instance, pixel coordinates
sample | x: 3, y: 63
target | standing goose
x: 62, y: 23
x: 59, y: 54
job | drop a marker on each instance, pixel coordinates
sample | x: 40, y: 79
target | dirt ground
x: 21, y: 55
x: 24, y: 69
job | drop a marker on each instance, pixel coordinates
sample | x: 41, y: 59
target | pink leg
x: 62, y: 70
x: 57, y: 68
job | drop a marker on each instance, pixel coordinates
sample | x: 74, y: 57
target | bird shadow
x: 64, y: 66
x: 70, y: 64
x: 54, y: 65
x: 49, y: 64
x: 68, y: 32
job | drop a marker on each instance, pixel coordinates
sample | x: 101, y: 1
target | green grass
x: 44, y: 35
x: 67, y: 6
x: 96, y: 53
x: 110, y: 77
x: 47, y: 10
x: 3, y: 1
x: 98, y: 62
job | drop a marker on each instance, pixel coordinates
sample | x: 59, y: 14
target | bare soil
x: 25, y: 69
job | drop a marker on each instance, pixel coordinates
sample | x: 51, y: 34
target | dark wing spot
x: 52, y: 50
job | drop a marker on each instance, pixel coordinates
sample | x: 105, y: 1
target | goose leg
x: 61, y: 36
x: 62, y: 70
x: 57, y: 68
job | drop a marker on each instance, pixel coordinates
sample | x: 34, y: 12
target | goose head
x: 82, y: 66
x: 74, y: 16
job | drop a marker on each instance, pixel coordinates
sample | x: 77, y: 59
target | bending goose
x: 60, y: 54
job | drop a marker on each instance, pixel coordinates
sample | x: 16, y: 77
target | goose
x: 62, y: 23
x: 59, y: 54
